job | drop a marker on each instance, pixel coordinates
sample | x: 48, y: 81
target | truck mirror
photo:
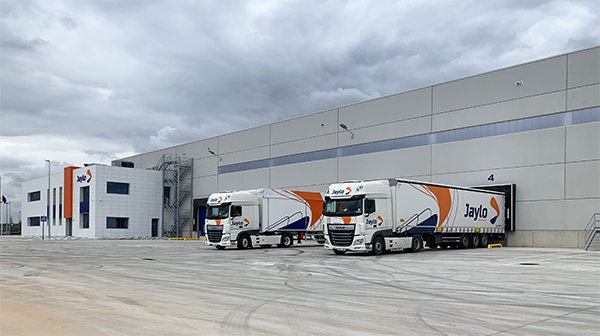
x: 369, y: 206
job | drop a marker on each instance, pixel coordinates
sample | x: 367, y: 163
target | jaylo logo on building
x: 85, y: 178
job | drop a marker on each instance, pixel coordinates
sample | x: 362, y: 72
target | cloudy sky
x: 93, y: 81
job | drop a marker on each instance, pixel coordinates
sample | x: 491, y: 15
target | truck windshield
x: 217, y: 212
x: 352, y: 207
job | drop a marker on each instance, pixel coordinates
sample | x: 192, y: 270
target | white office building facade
x: 96, y: 201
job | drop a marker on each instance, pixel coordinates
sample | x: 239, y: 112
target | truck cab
x: 357, y: 215
x: 231, y: 215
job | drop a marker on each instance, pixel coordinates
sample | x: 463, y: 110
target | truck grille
x: 214, y: 233
x: 341, y: 235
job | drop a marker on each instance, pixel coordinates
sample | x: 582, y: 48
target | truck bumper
x: 225, y: 241
x: 358, y: 245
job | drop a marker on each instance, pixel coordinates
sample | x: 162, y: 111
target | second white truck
x: 262, y: 217
x: 385, y: 215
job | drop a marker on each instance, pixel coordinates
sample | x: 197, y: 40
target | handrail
x: 591, y: 229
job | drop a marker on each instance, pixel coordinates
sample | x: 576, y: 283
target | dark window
x: 85, y: 221
x: 34, y: 196
x: 218, y: 212
x: 166, y: 193
x: 84, y: 194
x: 127, y: 164
x: 33, y: 221
x: 117, y: 222
x: 117, y: 188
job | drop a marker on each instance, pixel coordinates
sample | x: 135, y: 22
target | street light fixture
x: 215, y: 154
x: 346, y: 128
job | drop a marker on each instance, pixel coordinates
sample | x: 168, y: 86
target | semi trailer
x: 394, y: 214
x: 262, y: 217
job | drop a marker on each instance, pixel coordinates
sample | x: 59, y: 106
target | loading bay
x: 162, y: 287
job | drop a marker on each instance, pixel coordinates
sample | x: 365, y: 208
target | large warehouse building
x: 535, y: 125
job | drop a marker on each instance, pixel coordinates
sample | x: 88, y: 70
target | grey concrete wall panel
x: 206, y: 166
x: 578, y: 213
x: 259, y: 153
x: 542, y: 182
x: 502, y: 111
x: 402, y: 106
x: 583, y: 97
x: 583, y: 180
x: 204, y: 186
x: 390, y: 164
x: 251, y: 179
x: 312, y: 125
x: 505, y: 151
x: 304, y: 145
x: 539, y: 77
x: 387, y: 131
x: 584, y: 67
x: 197, y: 149
x: 541, y: 215
x: 310, y: 173
x: 247, y: 139
x: 583, y: 142
x: 322, y: 188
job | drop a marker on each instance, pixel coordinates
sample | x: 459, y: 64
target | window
x: 126, y: 164
x: 166, y: 193
x: 85, y: 221
x: 84, y: 194
x: 344, y: 207
x: 34, y: 196
x: 117, y: 188
x: 117, y: 222
x: 33, y: 221
x: 217, y: 212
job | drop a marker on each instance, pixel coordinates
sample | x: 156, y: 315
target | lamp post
x: 346, y: 128
x: 47, y: 203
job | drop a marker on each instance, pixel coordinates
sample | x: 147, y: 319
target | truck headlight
x: 225, y: 238
x: 359, y: 241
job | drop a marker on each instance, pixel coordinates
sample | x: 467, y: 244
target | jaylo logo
x: 475, y: 213
x: 215, y: 200
x: 375, y: 222
x: 243, y: 223
x: 85, y: 178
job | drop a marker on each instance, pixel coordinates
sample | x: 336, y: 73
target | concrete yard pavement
x: 161, y: 287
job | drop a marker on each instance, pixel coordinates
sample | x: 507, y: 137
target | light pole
x: 47, y: 203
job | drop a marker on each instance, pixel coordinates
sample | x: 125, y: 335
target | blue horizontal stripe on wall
x: 466, y: 133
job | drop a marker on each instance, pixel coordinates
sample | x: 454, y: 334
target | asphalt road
x: 160, y: 287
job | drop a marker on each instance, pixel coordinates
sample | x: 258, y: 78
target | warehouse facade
x: 536, y: 125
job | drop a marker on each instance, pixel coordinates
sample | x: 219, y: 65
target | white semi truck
x: 386, y: 215
x: 262, y: 217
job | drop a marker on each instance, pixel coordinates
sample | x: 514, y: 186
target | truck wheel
x: 475, y: 241
x: 464, y: 241
x: 339, y: 252
x: 286, y: 240
x: 244, y: 242
x: 378, y: 246
x: 219, y: 247
x: 417, y: 243
x: 484, y: 241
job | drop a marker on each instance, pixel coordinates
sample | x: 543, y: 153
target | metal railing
x: 592, y: 229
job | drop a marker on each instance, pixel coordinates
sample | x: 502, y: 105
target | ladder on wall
x: 592, y: 240
x: 177, y: 174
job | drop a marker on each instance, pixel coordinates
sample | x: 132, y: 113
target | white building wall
x: 556, y: 169
x: 39, y: 208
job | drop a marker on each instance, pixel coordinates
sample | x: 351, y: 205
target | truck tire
x: 475, y: 241
x: 464, y: 241
x: 417, y: 243
x: 339, y: 252
x: 244, y: 242
x: 378, y: 246
x: 219, y: 247
x: 484, y: 241
x: 286, y: 240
